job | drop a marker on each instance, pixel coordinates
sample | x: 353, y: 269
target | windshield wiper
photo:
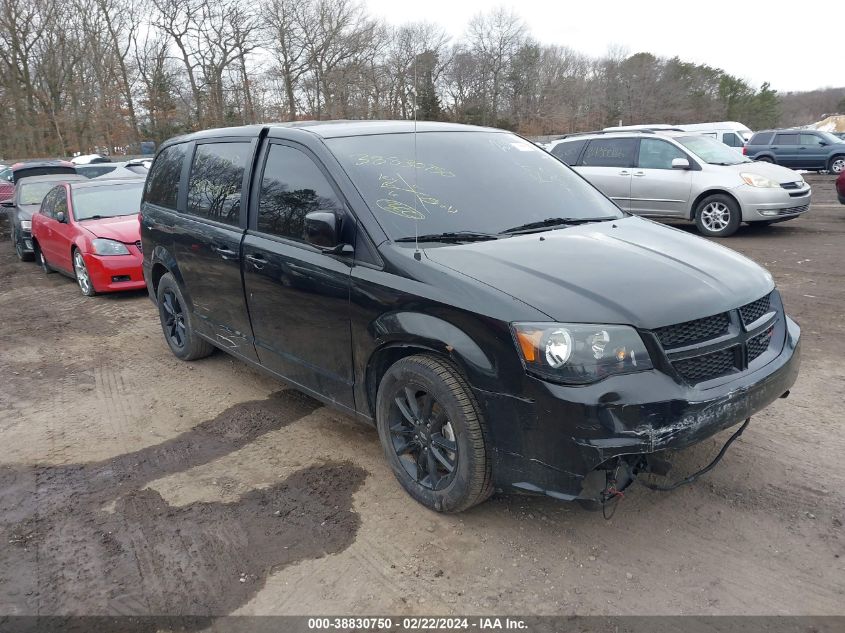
x: 450, y: 236
x: 551, y: 223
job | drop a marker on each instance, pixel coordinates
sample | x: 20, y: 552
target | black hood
x: 629, y: 271
x: 25, y: 211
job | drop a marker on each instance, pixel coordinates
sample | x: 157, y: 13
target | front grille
x: 759, y: 344
x: 708, y: 366
x: 750, y: 312
x: 693, y: 331
x: 792, y: 185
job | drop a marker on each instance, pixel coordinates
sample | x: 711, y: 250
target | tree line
x: 85, y: 75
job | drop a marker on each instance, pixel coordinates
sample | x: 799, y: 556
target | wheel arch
x: 161, y: 263
x: 712, y: 192
x: 833, y: 158
x: 409, y: 333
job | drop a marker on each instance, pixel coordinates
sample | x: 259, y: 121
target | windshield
x: 107, y: 201
x: 711, y: 151
x: 484, y: 182
x: 33, y: 193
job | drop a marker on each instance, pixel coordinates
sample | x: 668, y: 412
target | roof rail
x: 638, y: 131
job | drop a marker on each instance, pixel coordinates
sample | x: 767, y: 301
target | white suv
x: 684, y: 175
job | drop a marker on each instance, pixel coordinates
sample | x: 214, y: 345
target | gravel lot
x: 131, y: 482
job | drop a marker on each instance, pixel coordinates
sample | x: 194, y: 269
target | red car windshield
x: 107, y: 201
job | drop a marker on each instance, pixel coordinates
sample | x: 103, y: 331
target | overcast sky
x: 752, y: 39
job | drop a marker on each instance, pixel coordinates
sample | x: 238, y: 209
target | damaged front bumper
x: 552, y: 440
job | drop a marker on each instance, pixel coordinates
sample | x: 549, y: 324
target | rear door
x: 812, y: 154
x: 785, y: 149
x: 656, y: 188
x: 298, y: 294
x: 207, y: 240
x: 608, y: 164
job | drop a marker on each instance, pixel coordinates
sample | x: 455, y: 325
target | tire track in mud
x: 92, y: 539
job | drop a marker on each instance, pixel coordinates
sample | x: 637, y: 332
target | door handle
x: 256, y: 260
x: 224, y: 252
x: 624, y: 172
x: 639, y: 173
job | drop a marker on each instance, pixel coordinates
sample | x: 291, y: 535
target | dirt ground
x: 133, y: 483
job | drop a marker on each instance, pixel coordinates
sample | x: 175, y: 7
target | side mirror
x: 680, y: 163
x: 61, y: 217
x: 322, y: 229
x: 823, y: 143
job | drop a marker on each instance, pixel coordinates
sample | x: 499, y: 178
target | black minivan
x: 502, y: 323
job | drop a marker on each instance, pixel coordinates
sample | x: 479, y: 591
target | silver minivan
x: 685, y: 175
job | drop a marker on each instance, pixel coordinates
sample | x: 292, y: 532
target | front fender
x: 424, y: 330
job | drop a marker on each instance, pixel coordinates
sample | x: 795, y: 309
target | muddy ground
x: 133, y: 483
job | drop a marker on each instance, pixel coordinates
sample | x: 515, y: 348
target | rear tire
x: 718, y: 216
x: 176, y: 322
x: 433, y: 434
x: 42, y: 261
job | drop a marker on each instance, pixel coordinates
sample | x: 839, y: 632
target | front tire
x: 433, y: 434
x: 718, y: 216
x: 837, y: 165
x: 176, y: 322
x: 83, y: 278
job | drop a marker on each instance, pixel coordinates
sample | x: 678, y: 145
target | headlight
x: 756, y: 180
x: 109, y: 247
x: 26, y: 225
x: 579, y: 353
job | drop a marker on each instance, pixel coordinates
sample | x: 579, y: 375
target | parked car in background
x: 799, y: 149
x: 13, y: 173
x: 90, y: 159
x: 127, y: 169
x: 840, y: 187
x: 731, y: 133
x: 685, y: 175
x: 89, y: 230
x: 29, y: 193
x: 499, y: 320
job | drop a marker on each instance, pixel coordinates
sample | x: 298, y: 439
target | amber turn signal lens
x: 529, y: 343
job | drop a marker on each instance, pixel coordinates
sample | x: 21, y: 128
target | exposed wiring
x: 696, y: 475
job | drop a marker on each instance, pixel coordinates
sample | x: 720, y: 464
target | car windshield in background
x: 33, y: 193
x: 830, y: 138
x: 711, y: 151
x: 107, y: 201
x: 464, y: 182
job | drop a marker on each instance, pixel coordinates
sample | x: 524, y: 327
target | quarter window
x: 217, y: 175
x: 657, y: 154
x: 291, y: 187
x: 610, y: 152
x: 568, y: 151
x: 761, y: 138
x: 164, y: 177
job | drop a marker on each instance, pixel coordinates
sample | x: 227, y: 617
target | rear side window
x: 610, y: 152
x: 291, y: 187
x: 217, y: 175
x: 761, y: 138
x: 568, y: 151
x: 163, y: 181
x: 786, y: 139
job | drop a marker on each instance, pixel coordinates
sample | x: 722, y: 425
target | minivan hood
x: 124, y: 228
x: 771, y: 171
x: 631, y: 271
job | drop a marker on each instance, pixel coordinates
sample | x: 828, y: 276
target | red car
x: 840, y: 187
x: 89, y: 230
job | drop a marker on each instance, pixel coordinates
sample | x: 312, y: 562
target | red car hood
x: 126, y: 228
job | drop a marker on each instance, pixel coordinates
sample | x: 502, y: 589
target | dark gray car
x: 29, y: 193
x: 799, y: 149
